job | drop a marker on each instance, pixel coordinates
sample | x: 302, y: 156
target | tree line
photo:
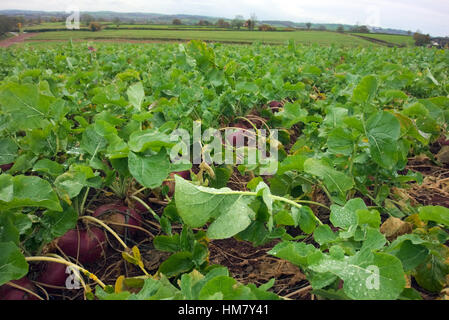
x: 8, y: 24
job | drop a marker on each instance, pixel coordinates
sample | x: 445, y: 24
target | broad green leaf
x: 295, y: 252
x: 8, y: 231
x: 167, y: 243
x: 411, y: 255
x: 27, y: 191
x: 345, y: 217
x: 12, y: 263
x: 323, y: 234
x: 149, y: 170
x: 334, y: 180
x: 263, y: 190
x: 365, y: 90
x: 340, y: 141
x: 431, y: 275
x: 378, y: 276
x: 8, y: 151
x: 293, y: 162
x: 383, y: 130
x: 368, y: 217
x: 291, y: 114
x: 50, y: 167
x: 27, y: 107
x: 56, y: 224
x: 305, y: 217
x: 197, y: 205
x: 438, y: 214
x: 92, y: 141
x: 140, y: 141
x: 135, y: 95
x: 176, y: 264
x: 227, y: 288
x: 69, y: 184
x: 23, y: 163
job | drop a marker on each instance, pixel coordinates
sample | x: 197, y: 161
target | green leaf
x: 334, y: 180
x: 69, y: 184
x: 383, y: 130
x: 8, y: 151
x: 291, y: 114
x: 365, y: 90
x: 27, y: 191
x: 431, y: 275
x: 263, y: 190
x: 197, y: 205
x: 176, y: 264
x: 411, y: 255
x: 410, y: 294
x: 438, y: 214
x: 92, y: 141
x: 27, y: 107
x: 23, y: 163
x: 167, y: 243
x: 295, y: 252
x: 13, y: 265
x: 368, y: 217
x: 149, y: 170
x: 340, y: 141
x: 136, y: 95
x: 293, y: 162
x: 225, y: 288
x: 140, y: 141
x: 49, y: 167
x: 305, y: 218
x: 8, y: 231
x: 323, y: 234
x: 56, y: 224
x: 345, y: 217
x: 378, y: 276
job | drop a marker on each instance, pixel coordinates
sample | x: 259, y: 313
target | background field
x: 392, y: 38
x: 305, y: 37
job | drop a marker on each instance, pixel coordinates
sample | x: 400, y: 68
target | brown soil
x: 16, y: 39
x: 249, y: 264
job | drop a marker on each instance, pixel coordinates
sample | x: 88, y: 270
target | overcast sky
x: 429, y: 16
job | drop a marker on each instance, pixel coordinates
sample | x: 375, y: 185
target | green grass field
x: 393, y: 38
x: 305, y: 37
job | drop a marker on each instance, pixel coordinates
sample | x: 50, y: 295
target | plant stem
x: 12, y: 284
x: 313, y: 202
x: 107, y: 228
x: 84, y: 201
x: 282, y: 199
x: 296, y: 205
x: 147, y: 207
x: 67, y: 263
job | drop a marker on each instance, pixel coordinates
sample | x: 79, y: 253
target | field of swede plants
x: 91, y: 207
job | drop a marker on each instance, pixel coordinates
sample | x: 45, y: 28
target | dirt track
x: 16, y: 39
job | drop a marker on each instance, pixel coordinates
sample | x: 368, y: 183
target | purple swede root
x: 53, y: 274
x: 10, y: 293
x: 85, y: 245
x: 6, y: 167
x: 171, y: 184
x: 117, y: 213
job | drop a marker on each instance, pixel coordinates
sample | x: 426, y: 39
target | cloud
x: 431, y: 16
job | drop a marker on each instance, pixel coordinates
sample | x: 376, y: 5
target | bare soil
x: 17, y: 39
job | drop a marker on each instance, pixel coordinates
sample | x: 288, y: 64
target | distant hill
x: 159, y: 18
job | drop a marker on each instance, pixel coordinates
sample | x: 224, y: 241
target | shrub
x: 94, y: 26
x: 421, y: 39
